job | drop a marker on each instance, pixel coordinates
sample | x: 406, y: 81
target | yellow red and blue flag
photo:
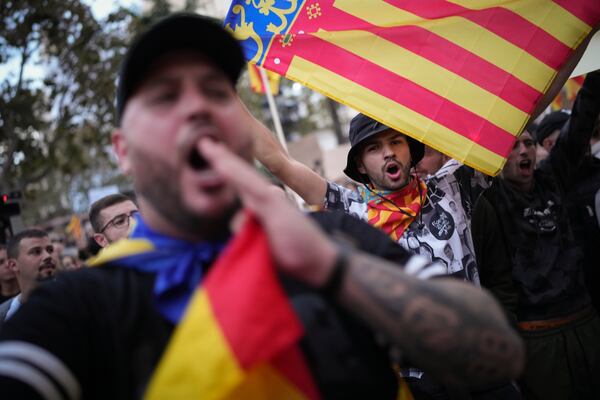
x: 463, y: 76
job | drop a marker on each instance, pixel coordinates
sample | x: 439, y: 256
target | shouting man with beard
x: 392, y: 197
x: 135, y: 324
x: 396, y: 200
x: 556, y: 319
x: 32, y: 258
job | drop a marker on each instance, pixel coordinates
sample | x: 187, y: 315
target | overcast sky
x: 101, y: 8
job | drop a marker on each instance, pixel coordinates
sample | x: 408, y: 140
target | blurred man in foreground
x: 119, y: 331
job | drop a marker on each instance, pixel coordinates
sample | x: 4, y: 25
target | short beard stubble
x: 160, y: 189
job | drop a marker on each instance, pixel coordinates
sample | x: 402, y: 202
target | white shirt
x: 14, y: 306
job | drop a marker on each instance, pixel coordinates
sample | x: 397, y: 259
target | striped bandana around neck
x: 393, y: 211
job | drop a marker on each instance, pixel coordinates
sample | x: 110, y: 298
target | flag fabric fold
x: 461, y: 76
x: 239, y: 335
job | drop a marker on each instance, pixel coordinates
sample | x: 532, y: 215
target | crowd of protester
x: 400, y: 306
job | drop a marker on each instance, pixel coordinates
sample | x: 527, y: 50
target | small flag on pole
x: 256, y: 83
x: 463, y: 76
x: 566, y: 96
x: 74, y: 228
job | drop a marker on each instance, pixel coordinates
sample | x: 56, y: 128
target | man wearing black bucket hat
x: 392, y: 197
x: 414, y: 213
x: 109, y: 332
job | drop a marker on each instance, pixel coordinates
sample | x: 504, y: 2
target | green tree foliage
x: 58, y: 70
x: 57, y: 87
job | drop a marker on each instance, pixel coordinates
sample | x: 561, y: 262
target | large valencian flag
x: 463, y: 76
x: 239, y: 337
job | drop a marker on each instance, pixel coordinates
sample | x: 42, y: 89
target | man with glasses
x: 110, y: 218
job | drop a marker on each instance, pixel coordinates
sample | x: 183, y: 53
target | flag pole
x: 272, y: 107
x: 278, y: 127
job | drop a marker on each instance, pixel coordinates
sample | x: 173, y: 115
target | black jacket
x: 103, y: 326
x: 547, y: 259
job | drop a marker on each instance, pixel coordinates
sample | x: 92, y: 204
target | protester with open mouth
x: 556, y: 319
x: 396, y: 200
x: 114, y: 331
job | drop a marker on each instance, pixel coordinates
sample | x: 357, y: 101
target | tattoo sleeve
x: 448, y: 328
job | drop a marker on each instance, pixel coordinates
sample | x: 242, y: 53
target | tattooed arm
x: 450, y: 329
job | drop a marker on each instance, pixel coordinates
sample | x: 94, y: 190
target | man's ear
x: 359, y: 165
x: 100, y: 239
x: 12, y: 265
x: 548, y: 143
x: 120, y: 146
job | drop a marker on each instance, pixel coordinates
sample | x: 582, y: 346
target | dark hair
x: 552, y: 122
x: 15, y: 241
x: 103, y: 203
x: 532, y: 128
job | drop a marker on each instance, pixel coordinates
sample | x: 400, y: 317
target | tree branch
x: 24, y: 57
x: 9, y: 129
x: 35, y: 177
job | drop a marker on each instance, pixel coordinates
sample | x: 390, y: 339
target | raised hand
x: 299, y: 247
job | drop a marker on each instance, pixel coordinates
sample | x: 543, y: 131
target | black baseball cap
x: 361, y: 129
x: 179, y: 31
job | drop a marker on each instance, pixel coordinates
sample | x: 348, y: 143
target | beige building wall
x: 328, y: 163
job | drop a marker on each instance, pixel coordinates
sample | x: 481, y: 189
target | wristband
x: 332, y: 286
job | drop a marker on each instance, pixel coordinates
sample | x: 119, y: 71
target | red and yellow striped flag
x: 256, y: 82
x: 239, y: 336
x: 462, y: 76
